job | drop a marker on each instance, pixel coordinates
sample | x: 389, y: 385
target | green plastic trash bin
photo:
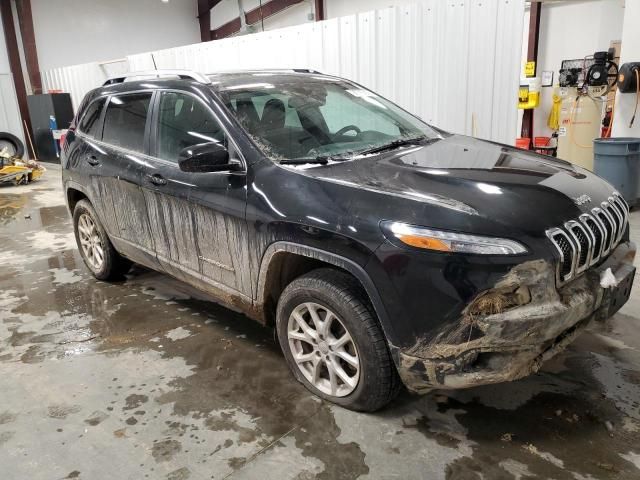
x: 617, y: 160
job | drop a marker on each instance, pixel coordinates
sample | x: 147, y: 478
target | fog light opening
x: 494, y: 302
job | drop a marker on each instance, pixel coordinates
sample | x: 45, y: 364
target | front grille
x: 584, y: 242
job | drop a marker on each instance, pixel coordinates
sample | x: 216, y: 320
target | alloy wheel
x: 90, y: 242
x: 323, y: 349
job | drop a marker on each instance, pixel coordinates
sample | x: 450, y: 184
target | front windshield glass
x: 309, y: 117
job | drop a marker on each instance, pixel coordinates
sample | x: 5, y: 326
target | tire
x: 13, y: 142
x: 110, y: 265
x: 326, y: 292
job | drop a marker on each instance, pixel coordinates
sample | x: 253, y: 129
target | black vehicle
x: 383, y: 250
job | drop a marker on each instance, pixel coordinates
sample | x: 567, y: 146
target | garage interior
x: 151, y: 378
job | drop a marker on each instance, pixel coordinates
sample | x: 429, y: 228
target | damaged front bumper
x: 508, y: 332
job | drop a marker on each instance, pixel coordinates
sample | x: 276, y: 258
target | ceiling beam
x: 253, y: 16
x: 227, y: 29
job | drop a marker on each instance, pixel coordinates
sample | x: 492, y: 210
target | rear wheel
x: 95, y: 247
x: 333, y: 343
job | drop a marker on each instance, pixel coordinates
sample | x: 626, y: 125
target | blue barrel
x: 617, y: 160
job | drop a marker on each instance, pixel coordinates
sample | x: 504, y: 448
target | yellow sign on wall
x: 530, y: 69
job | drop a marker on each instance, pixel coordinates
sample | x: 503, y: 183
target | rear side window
x: 89, y: 123
x: 125, y: 120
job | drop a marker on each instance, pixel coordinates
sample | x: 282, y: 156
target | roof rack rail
x: 306, y: 70
x: 266, y: 70
x: 182, y: 74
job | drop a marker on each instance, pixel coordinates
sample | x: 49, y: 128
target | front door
x: 196, y: 219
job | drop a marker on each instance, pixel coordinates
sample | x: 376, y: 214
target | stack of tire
x: 13, y: 144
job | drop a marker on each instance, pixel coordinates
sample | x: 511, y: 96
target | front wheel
x: 95, y: 247
x: 333, y: 343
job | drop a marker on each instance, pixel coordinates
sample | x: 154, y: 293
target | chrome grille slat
x: 615, y: 214
x: 567, y: 251
x: 586, y: 241
x: 605, y: 231
x: 623, y: 202
x: 583, y: 242
x: 598, y: 235
x: 609, y: 224
x: 620, y: 202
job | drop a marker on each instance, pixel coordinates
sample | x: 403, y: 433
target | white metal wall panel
x: 428, y: 60
x: 367, y: 54
x: 10, y: 118
x: 387, y: 54
x: 508, y: 50
x: 455, y: 63
x: 480, y: 71
x: 76, y: 80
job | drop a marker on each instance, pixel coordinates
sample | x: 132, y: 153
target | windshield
x: 294, y: 117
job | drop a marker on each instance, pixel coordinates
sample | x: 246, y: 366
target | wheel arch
x: 73, y: 194
x: 284, y: 261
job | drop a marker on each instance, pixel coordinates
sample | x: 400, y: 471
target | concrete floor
x: 148, y: 379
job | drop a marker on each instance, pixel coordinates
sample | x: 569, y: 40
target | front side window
x: 183, y: 121
x: 293, y: 117
x: 125, y: 120
x: 90, y: 120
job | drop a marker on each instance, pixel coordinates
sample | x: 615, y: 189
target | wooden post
x: 319, y: 10
x: 532, y: 56
x: 25, y: 20
x: 204, y: 18
x: 14, y: 62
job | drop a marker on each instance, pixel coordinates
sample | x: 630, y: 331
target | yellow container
x: 529, y: 93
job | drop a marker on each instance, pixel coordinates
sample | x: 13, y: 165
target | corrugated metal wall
x: 455, y: 63
x: 76, y: 80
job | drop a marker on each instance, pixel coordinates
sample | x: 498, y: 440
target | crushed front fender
x: 507, y: 332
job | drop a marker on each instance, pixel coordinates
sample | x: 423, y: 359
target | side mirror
x: 207, y: 157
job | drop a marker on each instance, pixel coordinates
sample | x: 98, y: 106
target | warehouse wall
x: 10, y: 119
x: 340, y: 8
x: 573, y: 30
x: 227, y: 10
x: 454, y: 64
x: 630, y: 53
x: 69, y: 32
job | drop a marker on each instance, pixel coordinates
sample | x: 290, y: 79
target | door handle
x: 93, y: 160
x: 156, y: 179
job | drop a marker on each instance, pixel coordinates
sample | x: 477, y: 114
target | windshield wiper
x: 320, y: 160
x: 401, y: 142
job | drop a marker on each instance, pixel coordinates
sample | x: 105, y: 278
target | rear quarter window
x: 89, y: 122
x: 125, y: 120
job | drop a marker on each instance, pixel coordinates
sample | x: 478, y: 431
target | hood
x: 471, y: 177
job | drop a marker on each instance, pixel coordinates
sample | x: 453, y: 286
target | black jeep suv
x: 383, y: 250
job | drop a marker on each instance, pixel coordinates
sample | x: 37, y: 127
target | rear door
x: 119, y: 157
x: 197, y: 219
x: 79, y: 141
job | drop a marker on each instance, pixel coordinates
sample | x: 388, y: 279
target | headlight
x: 441, y: 241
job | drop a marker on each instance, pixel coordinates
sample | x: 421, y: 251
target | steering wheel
x: 346, y: 129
